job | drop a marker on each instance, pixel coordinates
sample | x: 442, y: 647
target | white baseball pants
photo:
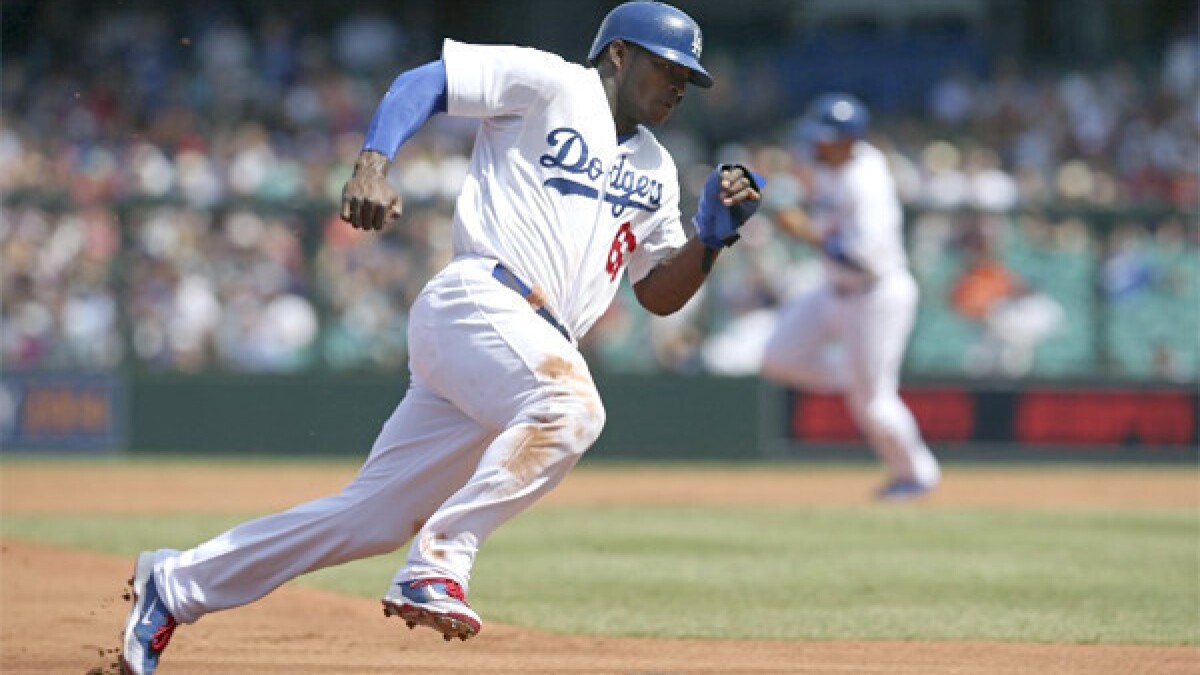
x: 854, y: 344
x: 500, y: 407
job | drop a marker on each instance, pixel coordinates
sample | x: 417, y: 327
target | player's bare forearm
x: 794, y: 221
x: 721, y: 211
x: 674, y: 281
x: 368, y: 201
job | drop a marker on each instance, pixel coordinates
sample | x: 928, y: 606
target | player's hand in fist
x: 730, y: 196
x: 368, y: 200
x: 739, y: 185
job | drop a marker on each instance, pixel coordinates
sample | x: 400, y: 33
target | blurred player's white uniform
x: 849, y: 333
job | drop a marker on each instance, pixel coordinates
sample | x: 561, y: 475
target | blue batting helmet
x: 835, y: 115
x: 658, y: 28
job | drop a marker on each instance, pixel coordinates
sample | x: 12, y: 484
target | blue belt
x: 506, y: 277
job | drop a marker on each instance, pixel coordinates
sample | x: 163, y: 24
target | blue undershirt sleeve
x: 836, y: 250
x: 414, y: 97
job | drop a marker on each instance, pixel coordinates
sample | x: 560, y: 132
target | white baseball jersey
x: 858, y: 202
x: 551, y: 193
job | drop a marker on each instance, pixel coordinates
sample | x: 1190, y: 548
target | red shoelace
x: 163, y: 635
x: 452, y: 588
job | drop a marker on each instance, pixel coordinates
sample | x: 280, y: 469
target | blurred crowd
x: 171, y: 189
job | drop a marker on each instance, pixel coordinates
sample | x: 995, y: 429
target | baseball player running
x: 567, y: 191
x: 866, y: 301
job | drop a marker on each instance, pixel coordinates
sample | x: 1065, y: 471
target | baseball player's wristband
x: 836, y: 251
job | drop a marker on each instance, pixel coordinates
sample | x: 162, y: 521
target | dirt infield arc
x: 61, y: 610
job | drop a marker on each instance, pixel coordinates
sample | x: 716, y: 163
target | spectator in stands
x: 1127, y: 269
x: 1013, y: 318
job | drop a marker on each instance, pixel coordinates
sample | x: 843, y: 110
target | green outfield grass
x: 788, y: 572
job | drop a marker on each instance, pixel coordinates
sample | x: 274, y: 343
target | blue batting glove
x: 717, y: 224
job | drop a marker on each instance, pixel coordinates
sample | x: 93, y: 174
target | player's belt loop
x: 506, y: 277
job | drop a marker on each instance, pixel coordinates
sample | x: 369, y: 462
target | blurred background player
x: 567, y: 188
x: 848, y: 334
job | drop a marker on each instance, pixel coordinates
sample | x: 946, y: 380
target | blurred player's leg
x: 796, y: 354
x: 877, y: 333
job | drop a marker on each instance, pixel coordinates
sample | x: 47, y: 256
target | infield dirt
x: 61, y: 610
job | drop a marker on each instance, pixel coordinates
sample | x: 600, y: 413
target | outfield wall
x: 661, y: 417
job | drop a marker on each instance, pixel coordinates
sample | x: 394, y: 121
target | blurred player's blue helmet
x: 658, y: 28
x: 833, y: 116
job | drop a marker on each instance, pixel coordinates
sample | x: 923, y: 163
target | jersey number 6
x: 624, y: 242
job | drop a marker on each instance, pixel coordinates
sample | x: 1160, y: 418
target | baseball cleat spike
x: 411, y: 624
x: 447, y: 637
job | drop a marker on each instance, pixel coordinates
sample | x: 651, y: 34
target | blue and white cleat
x: 437, y: 603
x: 903, y: 489
x: 150, y: 625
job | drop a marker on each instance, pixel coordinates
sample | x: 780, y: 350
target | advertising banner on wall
x: 62, y: 412
x: 1160, y: 422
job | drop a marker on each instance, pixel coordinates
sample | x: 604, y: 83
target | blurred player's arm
x: 369, y: 202
x: 676, y: 279
x: 794, y: 221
